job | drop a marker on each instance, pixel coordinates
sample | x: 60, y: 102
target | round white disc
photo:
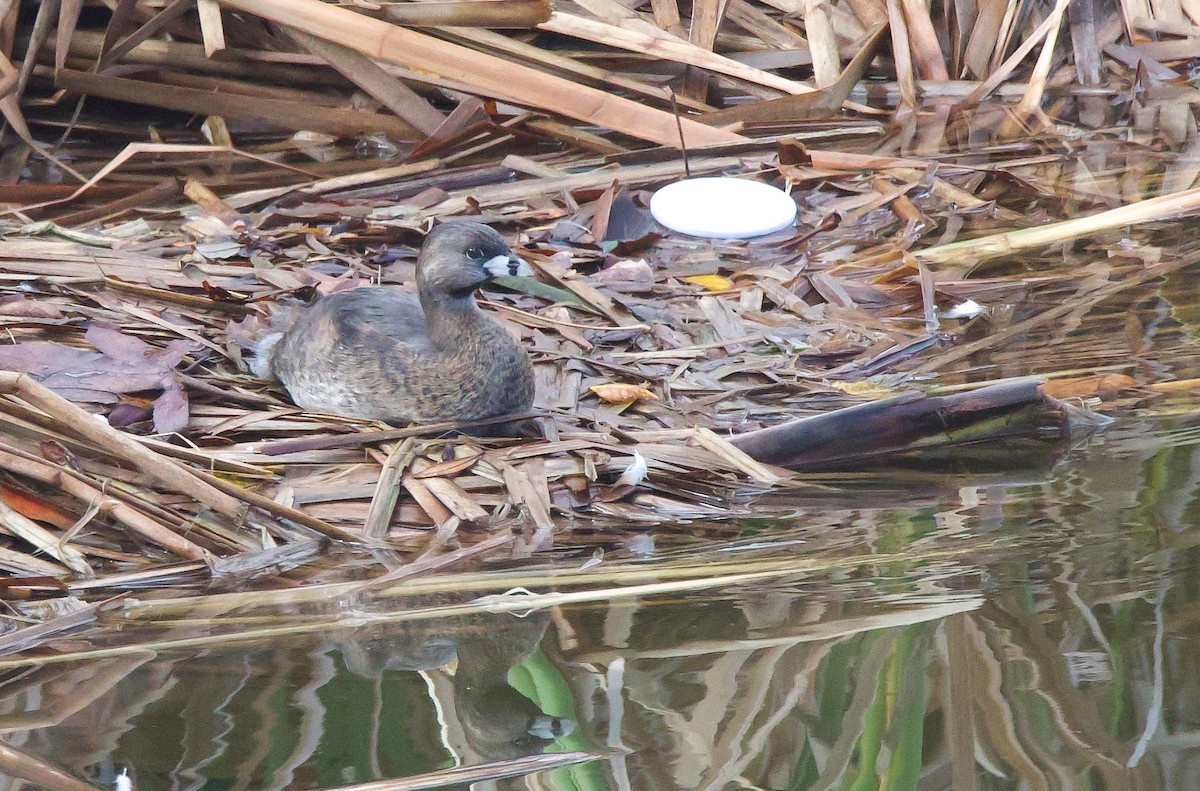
x: 723, y: 208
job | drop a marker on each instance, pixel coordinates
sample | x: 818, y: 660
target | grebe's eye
x: 475, y: 252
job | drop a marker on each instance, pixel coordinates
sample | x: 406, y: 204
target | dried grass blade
x: 902, y: 54
x: 735, y: 457
x: 666, y: 16
x: 983, y: 35
x: 16, y: 524
x: 75, y: 487
x: 926, y: 51
x: 706, y: 20
x: 559, y: 62
x: 1131, y: 11
x: 871, y: 13
x: 68, y: 18
x: 257, y: 500
x: 527, y: 486
x: 274, y: 112
x: 24, y: 564
x: 1006, y: 68
x: 157, y: 23
x: 1032, y: 100
x: 664, y: 45
x: 426, y: 500
x: 827, y: 63
x: 43, y: 23
x: 517, y: 14
x: 1088, y: 63
x: 450, y: 495
x: 133, y: 149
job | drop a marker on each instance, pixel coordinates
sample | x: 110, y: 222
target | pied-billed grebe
x: 385, y: 354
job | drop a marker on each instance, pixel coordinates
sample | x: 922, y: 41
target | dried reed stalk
x: 559, y: 62
x: 1031, y: 102
x: 1160, y: 208
x: 83, y: 424
x: 520, y: 14
x: 393, y: 94
x: 926, y: 50
x: 211, y: 28
x: 525, y: 85
x: 22, y: 527
x: 652, y: 41
x: 1006, y: 68
x: 278, y: 112
x: 905, y: 77
x: 81, y: 490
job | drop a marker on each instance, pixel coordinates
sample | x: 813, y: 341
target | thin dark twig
x: 687, y: 171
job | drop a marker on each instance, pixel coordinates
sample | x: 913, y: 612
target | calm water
x: 1028, y: 629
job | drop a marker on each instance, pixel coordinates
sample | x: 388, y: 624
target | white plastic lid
x: 723, y: 208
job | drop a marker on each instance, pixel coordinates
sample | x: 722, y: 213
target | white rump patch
x: 264, y: 351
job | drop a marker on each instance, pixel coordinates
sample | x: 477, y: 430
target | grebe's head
x: 459, y: 257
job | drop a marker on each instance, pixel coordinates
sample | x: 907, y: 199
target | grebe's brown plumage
x: 385, y: 354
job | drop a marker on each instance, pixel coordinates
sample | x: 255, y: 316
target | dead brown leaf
x: 615, y: 393
x: 122, y: 364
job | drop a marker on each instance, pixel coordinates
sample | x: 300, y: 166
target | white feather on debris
x: 635, y: 473
x: 965, y: 310
x: 123, y: 781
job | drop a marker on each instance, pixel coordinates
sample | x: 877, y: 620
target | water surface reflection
x: 1008, y: 631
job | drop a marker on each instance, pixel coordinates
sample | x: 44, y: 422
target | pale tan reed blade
x: 211, y: 27
x: 901, y: 52
x: 18, y: 525
x: 827, y: 63
x: 1032, y: 99
x: 1005, y: 69
x: 124, y: 514
x: 521, y: 14
x: 1160, y: 208
x: 926, y: 50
